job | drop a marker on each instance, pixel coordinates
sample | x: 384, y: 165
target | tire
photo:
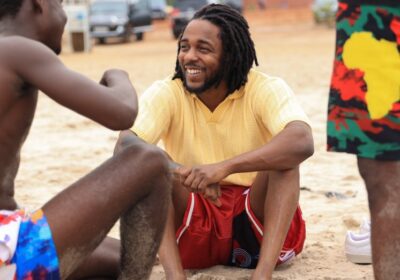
x: 139, y: 36
x: 102, y: 41
x: 176, y: 33
x: 128, y: 33
x: 126, y: 38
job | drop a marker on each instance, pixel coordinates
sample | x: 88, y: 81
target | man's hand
x: 213, y: 193
x: 204, y: 179
x: 113, y: 76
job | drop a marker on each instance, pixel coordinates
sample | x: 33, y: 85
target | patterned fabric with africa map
x: 364, y: 100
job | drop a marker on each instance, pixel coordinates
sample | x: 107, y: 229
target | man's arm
x: 285, y: 151
x: 112, y: 103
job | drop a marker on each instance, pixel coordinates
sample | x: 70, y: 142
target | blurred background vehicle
x: 183, y: 11
x: 236, y: 4
x: 324, y: 11
x: 158, y: 9
x: 119, y: 19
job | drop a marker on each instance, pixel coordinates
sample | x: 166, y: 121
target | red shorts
x: 230, y: 234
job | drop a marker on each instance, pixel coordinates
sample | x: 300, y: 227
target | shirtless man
x: 66, y: 238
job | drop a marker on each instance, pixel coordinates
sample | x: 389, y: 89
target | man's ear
x: 37, y: 5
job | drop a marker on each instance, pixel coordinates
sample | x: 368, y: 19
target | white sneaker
x: 365, y: 226
x: 358, y: 245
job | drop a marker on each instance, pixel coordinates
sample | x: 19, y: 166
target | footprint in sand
x: 380, y: 62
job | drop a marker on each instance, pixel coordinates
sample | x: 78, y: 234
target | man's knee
x: 146, y: 156
x: 155, y: 158
x: 152, y: 164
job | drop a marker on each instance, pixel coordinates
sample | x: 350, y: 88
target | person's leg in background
x: 382, y: 180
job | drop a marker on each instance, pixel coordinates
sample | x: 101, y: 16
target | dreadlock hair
x: 9, y: 7
x: 239, y: 53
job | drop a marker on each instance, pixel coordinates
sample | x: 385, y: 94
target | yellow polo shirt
x: 191, y: 134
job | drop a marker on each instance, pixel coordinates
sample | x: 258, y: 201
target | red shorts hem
x: 211, y: 235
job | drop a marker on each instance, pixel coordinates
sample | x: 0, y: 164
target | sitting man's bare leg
x: 104, y: 261
x: 133, y: 185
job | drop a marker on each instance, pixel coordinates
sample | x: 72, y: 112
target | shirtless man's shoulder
x: 16, y: 55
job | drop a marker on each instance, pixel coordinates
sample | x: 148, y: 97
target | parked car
x: 119, y: 19
x: 236, y: 4
x: 183, y: 11
x: 158, y: 9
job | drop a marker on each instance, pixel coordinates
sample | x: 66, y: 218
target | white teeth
x: 193, y: 71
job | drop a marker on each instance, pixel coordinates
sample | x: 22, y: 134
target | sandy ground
x: 64, y: 146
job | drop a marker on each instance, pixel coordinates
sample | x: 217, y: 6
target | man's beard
x: 208, y: 83
x: 57, y: 50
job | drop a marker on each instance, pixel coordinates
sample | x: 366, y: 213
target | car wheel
x: 127, y: 38
x: 102, y: 40
x: 139, y: 36
x: 127, y: 34
x: 176, y: 33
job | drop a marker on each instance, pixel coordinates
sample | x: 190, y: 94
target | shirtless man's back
x: 78, y: 219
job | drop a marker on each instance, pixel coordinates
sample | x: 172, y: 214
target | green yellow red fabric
x: 364, y: 100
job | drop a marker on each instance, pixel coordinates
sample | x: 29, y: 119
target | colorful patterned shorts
x: 364, y: 100
x: 35, y: 255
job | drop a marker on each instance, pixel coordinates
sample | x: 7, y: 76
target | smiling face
x: 200, y: 55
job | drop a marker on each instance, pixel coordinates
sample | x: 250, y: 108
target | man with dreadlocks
x: 66, y: 238
x: 237, y: 137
